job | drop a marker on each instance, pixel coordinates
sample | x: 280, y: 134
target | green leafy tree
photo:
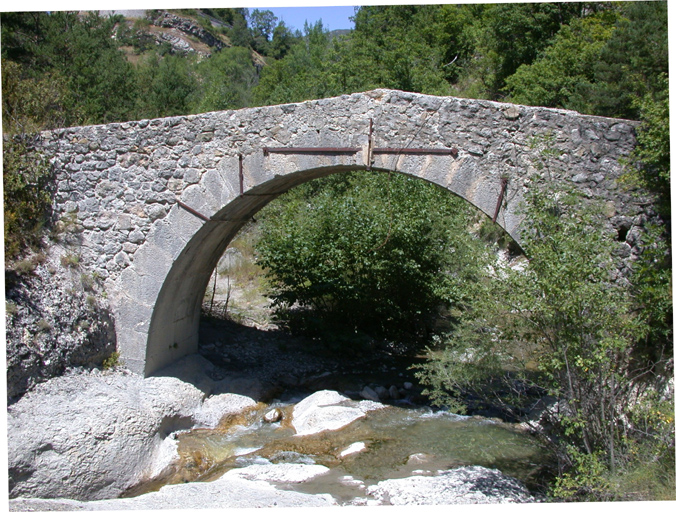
x: 27, y: 183
x: 652, y: 156
x: 515, y: 34
x: 262, y: 24
x: 169, y: 86
x: 28, y: 106
x: 239, y: 34
x: 282, y: 40
x: 82, y: 51
x: 633, y: 62
x: 306, y: 72
x: 567, y: 317
x: 355, y: 260
x: 225, y: 81
x: 565, y: 70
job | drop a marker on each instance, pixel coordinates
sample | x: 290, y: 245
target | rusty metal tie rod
x: 500, y: 197
x: 333, y: 150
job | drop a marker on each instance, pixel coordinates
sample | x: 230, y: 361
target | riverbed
x: 398, y: 441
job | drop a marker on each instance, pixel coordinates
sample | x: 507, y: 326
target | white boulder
x: 328, y: 410
x: 281, y: 473
x: 216, y: 408
x: 464, y: 485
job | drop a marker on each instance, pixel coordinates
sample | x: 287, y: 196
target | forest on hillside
x: 602, y: 348
x: 602, y: 58
x: 66, y: 68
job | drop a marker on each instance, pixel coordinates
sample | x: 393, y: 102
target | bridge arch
x: 159, y: 200
x: 174, y: 324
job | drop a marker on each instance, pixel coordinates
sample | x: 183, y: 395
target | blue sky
x: 333, y: 18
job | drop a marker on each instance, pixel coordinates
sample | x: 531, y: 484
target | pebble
x: 369, y: 394
x: 273, y: 416
x: 353, y: 448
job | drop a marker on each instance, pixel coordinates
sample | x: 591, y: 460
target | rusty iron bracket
x: 369, y: 156
x: 193, y: 211
x: 500, y: 197
x: 241, y: 176
x: 375, y: 151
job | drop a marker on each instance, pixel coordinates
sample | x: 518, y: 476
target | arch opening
x: 176, y: 317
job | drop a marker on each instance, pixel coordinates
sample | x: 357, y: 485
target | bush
x: 588, y: 344
x: 27, y: 181
x: 367, y: 253
x: 112, y: 361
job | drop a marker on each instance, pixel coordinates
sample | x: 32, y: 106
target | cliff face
x: 56, y: 319
x: 187, y: 26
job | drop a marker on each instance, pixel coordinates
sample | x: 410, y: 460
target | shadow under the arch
x: 272, y: 364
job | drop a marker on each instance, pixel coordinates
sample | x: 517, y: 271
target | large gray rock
x: 93, y: 435
x: 465, y: 485
x: 57, y: 318
x: 328, y: 410
x: 216, y: 408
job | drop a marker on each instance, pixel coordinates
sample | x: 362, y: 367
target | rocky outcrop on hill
x: 187, y: 26
x: 56, y: 317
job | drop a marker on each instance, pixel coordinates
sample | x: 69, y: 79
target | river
x: 393, y: 442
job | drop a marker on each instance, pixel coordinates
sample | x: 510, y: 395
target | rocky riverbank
x: 79, y: 441
x: 246, y: 489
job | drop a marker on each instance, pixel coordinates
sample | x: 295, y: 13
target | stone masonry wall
x: 118, y: 184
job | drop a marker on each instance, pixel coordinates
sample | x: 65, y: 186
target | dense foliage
x: 602, y: 350
x: 598, y: 57
x: 355, y: 262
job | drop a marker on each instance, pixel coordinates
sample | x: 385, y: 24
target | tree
x: 578, y: 327
x: 226, y: 80
x: 356, y: 260
x: 633, y: 61
x: 515, y: 34
x: 168, y: 84
x: 305, y: 73
x: 652, y: 156
x: 565, y: 70
x: 262, y: 25
x: 239, y: 34
x: 282, y: 40
x: 29, y: 105
x: 82, y: 51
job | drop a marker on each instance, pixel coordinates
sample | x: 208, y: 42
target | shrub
x: 70, y: 260
x: 367, y: 253
x: 588, y: 338
x: 27, y: 179
x: 111, y: 361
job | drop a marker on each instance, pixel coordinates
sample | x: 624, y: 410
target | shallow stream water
x: 394, y: 442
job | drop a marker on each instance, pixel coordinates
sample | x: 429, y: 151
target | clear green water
x: 399, y: 442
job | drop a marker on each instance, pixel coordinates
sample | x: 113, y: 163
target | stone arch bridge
x: 156, y: 202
